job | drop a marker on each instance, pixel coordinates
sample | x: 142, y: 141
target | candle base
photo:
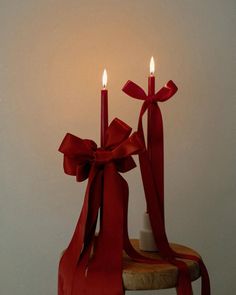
x: 146, y: 241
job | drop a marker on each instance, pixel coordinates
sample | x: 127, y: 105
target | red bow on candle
x: 93, y: 265
x: 152, y: 170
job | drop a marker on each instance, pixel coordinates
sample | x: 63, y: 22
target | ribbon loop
x: 134, y: 90
x: 167, y: 91
x: 117, y: 132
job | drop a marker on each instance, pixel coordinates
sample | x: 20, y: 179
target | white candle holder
x: 146, y: 240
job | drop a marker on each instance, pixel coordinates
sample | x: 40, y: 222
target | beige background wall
x: 52, y: 54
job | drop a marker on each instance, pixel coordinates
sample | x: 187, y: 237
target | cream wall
x: 52, y: 54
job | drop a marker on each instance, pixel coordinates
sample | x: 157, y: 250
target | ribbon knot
x: 102, y: 157
x: 151, y: 99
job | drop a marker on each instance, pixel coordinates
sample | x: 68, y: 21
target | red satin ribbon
x: 153, y: 181
x: 93, y: 265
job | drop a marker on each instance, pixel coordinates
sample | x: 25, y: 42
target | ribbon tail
x: 104, y: 272
x: 140, y: 120
x: 156, y: 160
x: 158, y: 227
x: 156, y: 154
x: 205, y: 280
x: 128, y: 247
x: 71, y: 256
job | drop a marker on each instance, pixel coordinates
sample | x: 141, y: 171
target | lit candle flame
x: 104, y: 78
x: 152, y: 66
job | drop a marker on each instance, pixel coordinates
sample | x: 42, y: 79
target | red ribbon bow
x: 93, y: 265
x: 163, y: 94
x: 152, y: 170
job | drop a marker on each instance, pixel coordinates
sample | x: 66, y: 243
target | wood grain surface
x: 139, y: 276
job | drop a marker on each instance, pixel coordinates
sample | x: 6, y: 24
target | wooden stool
x: 140, y: 276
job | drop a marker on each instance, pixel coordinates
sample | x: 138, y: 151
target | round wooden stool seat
x: 140, y: 276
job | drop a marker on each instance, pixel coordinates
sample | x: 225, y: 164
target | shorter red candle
x: 151, y: 91
x: 104, y: 108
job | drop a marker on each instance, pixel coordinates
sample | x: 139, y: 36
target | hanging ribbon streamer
x: 153, y: 181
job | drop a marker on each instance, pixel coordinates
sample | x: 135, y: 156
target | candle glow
x: 152, y: 66
x: 104, y: 78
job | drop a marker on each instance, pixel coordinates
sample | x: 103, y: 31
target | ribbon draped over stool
x: 152, y: 170
x: 93, y: 264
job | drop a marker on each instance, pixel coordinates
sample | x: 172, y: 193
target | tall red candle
x: 104, y: 108
x: 151, y: 91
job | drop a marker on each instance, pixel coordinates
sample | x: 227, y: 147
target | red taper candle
x: 151, y: 91
x: 147, y: 242
x: 104, y: 108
